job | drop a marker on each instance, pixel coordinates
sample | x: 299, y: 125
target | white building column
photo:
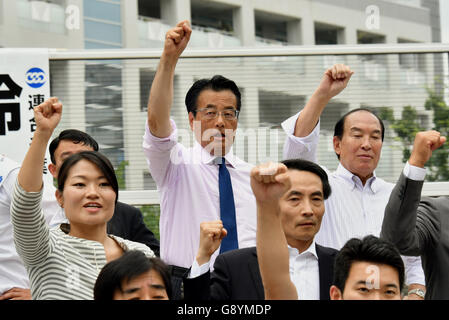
x: 244, y: 24
x: 173, y: 11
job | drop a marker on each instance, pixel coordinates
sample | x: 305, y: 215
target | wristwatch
x: 419, y: 292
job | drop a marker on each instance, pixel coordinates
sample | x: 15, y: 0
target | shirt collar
x: 353, y: 180
x: 294, y: 253
x: 206, y: 158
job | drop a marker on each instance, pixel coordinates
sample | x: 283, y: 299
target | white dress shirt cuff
x: 414, y: 273
x: 300, y: 147
x: 414, y: 173
x: 196, y: 270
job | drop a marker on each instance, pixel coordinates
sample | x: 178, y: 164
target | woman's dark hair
x: 131, y: 264
x: 76, y: 136
x: 305, y: 165
x: 95, y: 157
x: 368, y: 249
x: 216, y: 83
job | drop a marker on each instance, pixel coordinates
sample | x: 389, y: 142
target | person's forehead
x: 209, y: 96
x: 364, y: 270
x: 305, y: 181
x: 147, y: 278
x: 362, y: 120
x: 65, y: 146
x: 85, y: 168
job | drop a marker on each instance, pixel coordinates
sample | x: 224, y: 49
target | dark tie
x: 227, y: 208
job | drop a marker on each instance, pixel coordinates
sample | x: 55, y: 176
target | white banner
x: 24, y: 84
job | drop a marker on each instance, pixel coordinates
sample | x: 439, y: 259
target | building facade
x: 108, y: 98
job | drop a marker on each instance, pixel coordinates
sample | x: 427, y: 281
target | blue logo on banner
x: 35, y: 78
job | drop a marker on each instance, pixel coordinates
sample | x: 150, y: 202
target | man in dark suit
x: 236, y: 274
x: 420, y: 227
x: 127, y: 221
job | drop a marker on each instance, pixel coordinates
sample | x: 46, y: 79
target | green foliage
x: 407, y: 127
x: 151, y: 215
x: 439, y: 160
x: 120, y: 173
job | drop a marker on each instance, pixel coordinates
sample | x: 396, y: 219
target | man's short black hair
x: 369, y: 249
x: 305, y: 165
x: 216, y: 83
x: 131, y: 264
x: 76, y: 136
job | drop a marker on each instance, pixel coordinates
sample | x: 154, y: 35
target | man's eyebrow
x: 360, y: 130
x: 158, y: 286
x: 209, y: 105
x: 387, y: 285
x: 298, y: 193
x: 131, y: 290
x: 154, y: 286
x: 294, y: 193
x: 317, y: 193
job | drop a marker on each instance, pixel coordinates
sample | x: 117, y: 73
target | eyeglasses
x: 227, y: 114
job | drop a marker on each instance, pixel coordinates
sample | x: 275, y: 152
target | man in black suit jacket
x: 420, y: 226
x: 236, y: 274
x: 127, y: 223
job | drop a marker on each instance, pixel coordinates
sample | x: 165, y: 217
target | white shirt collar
x: 206, y: 158
x: 293, y: 252
x: 352, y: 179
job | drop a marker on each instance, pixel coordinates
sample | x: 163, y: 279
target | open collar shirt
x: 353, y: 210
x: 305, y: 272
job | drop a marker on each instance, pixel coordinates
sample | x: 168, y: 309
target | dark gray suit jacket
x: 236, y: 276
x: 420, y: 228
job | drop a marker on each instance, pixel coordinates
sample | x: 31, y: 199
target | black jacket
x: 127, y: 223
x: 236, y: 276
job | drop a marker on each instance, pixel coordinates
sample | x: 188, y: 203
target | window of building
x: 364, y: 37
x: 212, y: 15
x: 270, y: 27
x: 328, y: 34
x: 149, y: 9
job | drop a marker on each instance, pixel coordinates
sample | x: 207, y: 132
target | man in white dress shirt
x: 188, y: 178
x: 357, y: 204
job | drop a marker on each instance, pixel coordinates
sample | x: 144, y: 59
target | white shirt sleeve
x: 196, y: 270
x: 161, y: 155
x: 414, y: 173
x: 414, y: 273
x: 300, y: 147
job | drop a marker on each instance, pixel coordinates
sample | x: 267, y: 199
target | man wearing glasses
x: 205, y: 182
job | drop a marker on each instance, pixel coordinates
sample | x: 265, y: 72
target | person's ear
x: 52, y: 169
x: 59, y: 198
x: 335, y: 293
x: 337, y: 145
x: 191, y: 119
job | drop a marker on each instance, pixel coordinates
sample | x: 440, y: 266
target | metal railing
x: 143, y: 197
